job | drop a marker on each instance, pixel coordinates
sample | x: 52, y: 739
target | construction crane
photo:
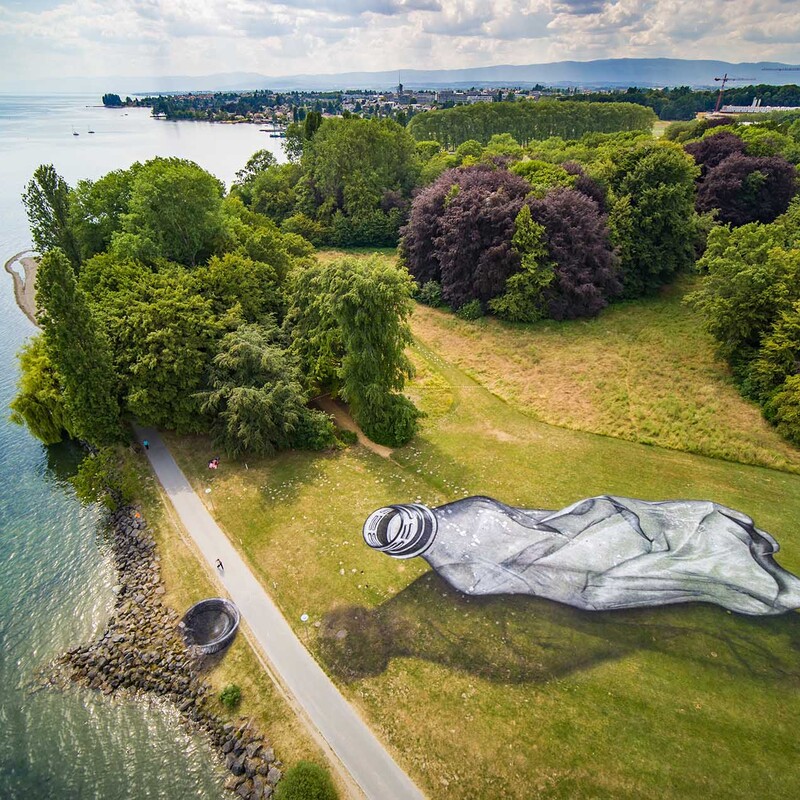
x: 725, y: 79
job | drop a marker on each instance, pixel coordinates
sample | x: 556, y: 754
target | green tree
x: 751, y: 276
x: 349, y: 323
x: 260, y: 161
x: 96, y: 209
x: 235, y: 283
x: 164, y: 335
x: 39, y: 402
x: 47, y: 202
x: 783, y: 409
x: 652, y: 217
x: 273, y: 192
x: 78, y: 351
x: 107, y: 476
x: 256, y: 399
x: 524, y: 299
x: 174, y: 213
x: 778, y: 355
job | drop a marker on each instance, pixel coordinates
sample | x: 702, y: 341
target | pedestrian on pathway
x: 218, y: 565
x: 146, y: 444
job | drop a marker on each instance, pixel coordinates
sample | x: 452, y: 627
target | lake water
x: 55, y: 574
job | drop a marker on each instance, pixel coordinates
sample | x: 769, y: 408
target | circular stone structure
x: 210, y: 625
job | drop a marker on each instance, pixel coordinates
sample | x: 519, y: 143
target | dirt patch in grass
x: 642, y: 371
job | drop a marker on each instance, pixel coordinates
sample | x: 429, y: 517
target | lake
x: 56, y: 576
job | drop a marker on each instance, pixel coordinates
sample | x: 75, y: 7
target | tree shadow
x: 520, y: 639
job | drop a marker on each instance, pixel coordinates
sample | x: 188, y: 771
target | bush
x: 783, y: 410
x: 306, y: 781
x: 230, y: 696
x: 430, y: 293
x: 346, y: 437
x: 471, y: 310
x: 392, y: 422
x: 314, y: 431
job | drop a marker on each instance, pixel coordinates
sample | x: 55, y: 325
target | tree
x: 260, y: 161
x: 164, y: 335
x: 273, y: 192
x: 256, y: 398
x: 778, y: 356
x: 387, y: 162
x: 751, y: 277
x: 349, y: 330
x: 79, y: 352
x: 710, y: 151
x: 96, y: 209
x: 783, y: 409
x: 460, y: 231
x: 46, y: 200
x: 174, y: 213
x: 237, y: 284
x: 585, y: 266
x: 523, y: 299
x: 748, y: 189
x: 106, y: 476
x: 39, y: 402
x: 652, y: 216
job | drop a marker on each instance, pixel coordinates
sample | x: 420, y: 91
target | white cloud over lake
x: 48, y: 38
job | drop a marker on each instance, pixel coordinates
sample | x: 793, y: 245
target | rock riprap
x: 142, y: 651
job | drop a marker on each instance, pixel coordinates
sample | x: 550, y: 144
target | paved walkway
x: 372, y: 768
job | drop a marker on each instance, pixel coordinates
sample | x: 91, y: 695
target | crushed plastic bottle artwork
x: 599, y: 553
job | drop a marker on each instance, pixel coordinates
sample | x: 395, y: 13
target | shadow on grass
x: 516, y: 639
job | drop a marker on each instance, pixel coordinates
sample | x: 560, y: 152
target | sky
x: 50, y: 38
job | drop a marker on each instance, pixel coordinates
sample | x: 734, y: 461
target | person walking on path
x: 218, y: 565
x: 146, y: 444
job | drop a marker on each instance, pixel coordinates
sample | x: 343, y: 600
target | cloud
x: 578, y: 7
x: 278, y: 37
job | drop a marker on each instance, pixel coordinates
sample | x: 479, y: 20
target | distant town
x: 276, y: 110
x: 281, y: 108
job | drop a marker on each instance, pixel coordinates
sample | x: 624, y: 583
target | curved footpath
x: 360, y: 752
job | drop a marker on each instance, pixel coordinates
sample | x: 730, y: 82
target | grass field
x: 519, y: 697
x: 642, y: 371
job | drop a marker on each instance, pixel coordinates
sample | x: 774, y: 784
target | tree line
x: 683, y: 102
x: 527, y: 121
x: 161, y: 299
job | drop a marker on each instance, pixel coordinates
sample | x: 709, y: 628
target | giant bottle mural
x: 597, y: 554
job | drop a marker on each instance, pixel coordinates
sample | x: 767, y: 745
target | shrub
x: 784, y: 409
x: 306, y: 781
x: 430, y: 293
x: 230, y: 696
x: 471, y: 310
x: 346, y: 437
x: 392, y: 422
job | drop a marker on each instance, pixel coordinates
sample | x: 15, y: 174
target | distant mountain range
x: 605, y: 73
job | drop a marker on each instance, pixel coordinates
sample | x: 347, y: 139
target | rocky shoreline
x: 142, y: 651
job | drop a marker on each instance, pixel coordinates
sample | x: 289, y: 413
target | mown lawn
x: 519, y: 697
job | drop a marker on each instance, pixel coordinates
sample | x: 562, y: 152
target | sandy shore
x: 25, y: 283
